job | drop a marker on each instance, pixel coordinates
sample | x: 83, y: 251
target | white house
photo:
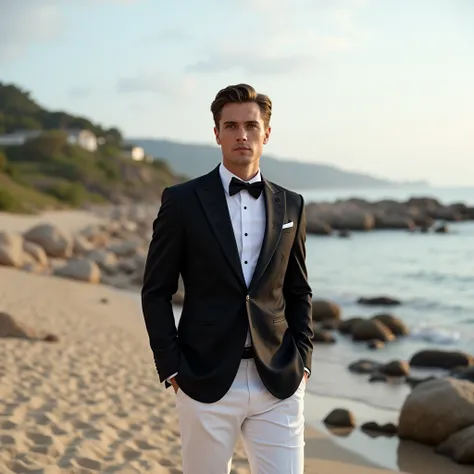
x: 136, y: 153
x: 84, y: 138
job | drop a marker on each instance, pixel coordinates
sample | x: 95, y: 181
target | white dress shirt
x: 248, y: 216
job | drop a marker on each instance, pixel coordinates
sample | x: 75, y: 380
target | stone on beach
x: 11, y: 249
x: 437, y: 409
x: 55, y: 242
x: 396, y: 325
x: 379, y: 301
x: 370, y: 329
x: 81, y: 270
x: 323, y: 310
x: 439, y: 359
x: 323, y: 337
x: 340, y: 417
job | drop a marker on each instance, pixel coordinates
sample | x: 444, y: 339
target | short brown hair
x: 241, y: 93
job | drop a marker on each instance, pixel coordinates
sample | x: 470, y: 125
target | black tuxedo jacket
x: 193, y: 236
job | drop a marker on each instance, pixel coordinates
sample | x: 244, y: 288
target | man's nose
x: 241, y: 134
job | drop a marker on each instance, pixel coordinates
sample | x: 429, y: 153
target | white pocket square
x: 287, y: 225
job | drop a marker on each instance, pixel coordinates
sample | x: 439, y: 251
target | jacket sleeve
x: 160, y: 282
x: 297, y: 293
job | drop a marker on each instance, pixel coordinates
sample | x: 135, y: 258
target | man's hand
x: 174, y: 384
x: 305, y: 376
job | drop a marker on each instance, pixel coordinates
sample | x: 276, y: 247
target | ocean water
x: 432, y: 274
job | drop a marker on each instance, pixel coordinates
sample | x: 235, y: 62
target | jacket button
x: 247, y: 297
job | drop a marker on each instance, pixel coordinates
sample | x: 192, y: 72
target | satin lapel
x: 275, y: 203
x: 214, y: 204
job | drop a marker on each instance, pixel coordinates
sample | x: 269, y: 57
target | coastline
x: 105, y: 364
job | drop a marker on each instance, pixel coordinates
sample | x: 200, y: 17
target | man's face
x: 241, y: 133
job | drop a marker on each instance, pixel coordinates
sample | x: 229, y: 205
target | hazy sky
x: 380, y: 86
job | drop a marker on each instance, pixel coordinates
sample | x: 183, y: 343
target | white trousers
x: 272, y: 429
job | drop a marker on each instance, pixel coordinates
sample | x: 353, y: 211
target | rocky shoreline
x: 438, y: 412
x: 113, y: 253
x: 423, y: 214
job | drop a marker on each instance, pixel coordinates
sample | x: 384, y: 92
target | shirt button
x: 246, y: 262
x: 245, y: 207
x: 246, y: 234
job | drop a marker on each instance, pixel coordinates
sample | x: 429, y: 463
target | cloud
x: 156, y: 82
x: 291, y: 36
x: 80, y: 92
x: 27, y: 22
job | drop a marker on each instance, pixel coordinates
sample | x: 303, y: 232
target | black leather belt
x: 248, y: 353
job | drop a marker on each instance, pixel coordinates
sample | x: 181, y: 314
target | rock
x: 344, y: 234
x: 376, y: 344
x: 345, y: 327
x: 125, y: 249
x: 371, y: 329
x: 11, y: 249
x: 378, y: 378
x: 107, y: 261
x: 415, y: 381
x: 388, y: 429
x: 394, y: 221
x: 364, y: 366
x: 396, y: 325
x: 459, y: 446
x: 54, y: 241
x: 51, y: 338
x: 316, y: 227
x: 396, y: 368
x: 323, y: 337
x: 330, y: 324
x: 379, y: 301
x: 37, y: 252
x: 435, y: 410
x: 323, y: 310
x: 442, y: 229
x: 10, y: 328
x: 439, y: 359
x: 82, y: 246
x: 341, y: 418
x: 465, y: 374
x: 104, y: 300
x: 80, y: 269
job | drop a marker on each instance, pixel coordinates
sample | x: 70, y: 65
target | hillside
x: 50, y: 172
x: 196, y: 159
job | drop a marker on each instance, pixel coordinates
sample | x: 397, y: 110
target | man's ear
x: 268, y: 131
x: 216, y: 133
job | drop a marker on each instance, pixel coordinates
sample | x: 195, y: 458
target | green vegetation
x: 49, y: 172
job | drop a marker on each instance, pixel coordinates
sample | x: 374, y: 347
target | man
x: 240, y: 357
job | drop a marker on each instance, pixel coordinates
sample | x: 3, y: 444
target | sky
x: 378, y: 86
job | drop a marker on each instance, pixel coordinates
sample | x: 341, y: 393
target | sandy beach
x: 92, y: 403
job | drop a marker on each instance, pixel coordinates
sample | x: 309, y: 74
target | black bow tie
x: 254, y: 189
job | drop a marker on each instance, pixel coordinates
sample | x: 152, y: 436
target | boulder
x: 396, y: 368
x: 10, y: 328
x: 439, y: 359
x: 396, y: 325
x: 81, y: 270
x: 323, y: 310
x: 346, y: 325
x: 371, y: 329
x: 341, y: 418
x: 55, y: 242
x: 388, y: 428
x: 364, y: 366
x: 379, y: 301
x: 323, y: 337
x: 37, y: 252
x: 436, y: 409
x: 459, y: 446
x: 11, y: 249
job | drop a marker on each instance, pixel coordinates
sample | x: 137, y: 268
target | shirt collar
x: 226, y: 177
